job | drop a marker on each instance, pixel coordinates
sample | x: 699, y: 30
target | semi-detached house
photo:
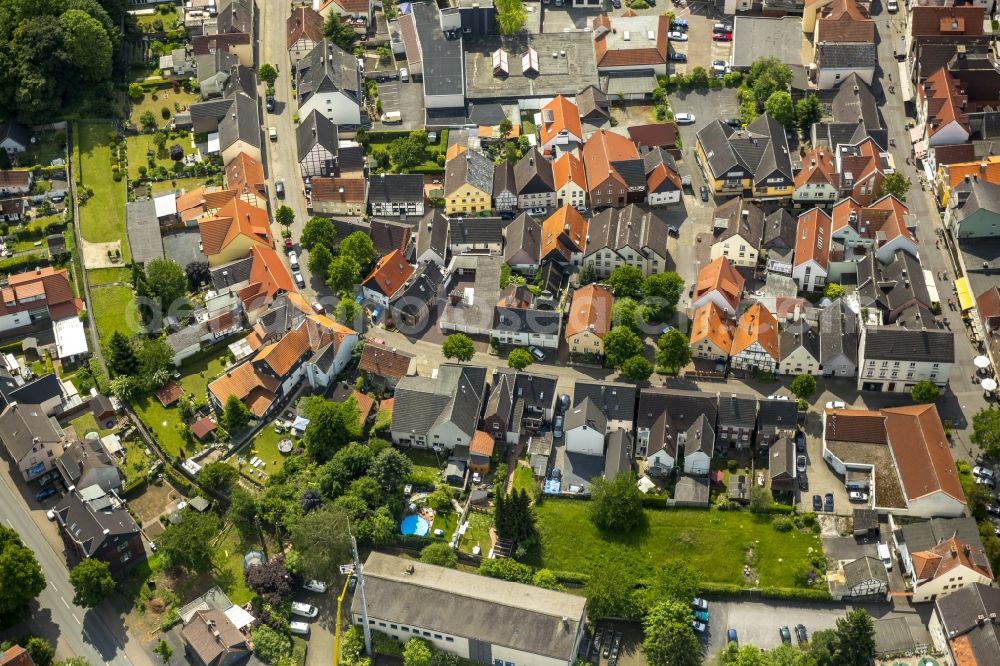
x: 33, y: 439
x: 753, y: 161
x: 631, y: 236
x: 755, y: 343
x: 441, y: 412
x: 616, y: 175
x: 329, y: 80
x: 739, y: 225
x: 317, y: 141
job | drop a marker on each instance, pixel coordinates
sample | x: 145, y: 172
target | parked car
x: 304, y: 610
x: 684, y: 118
x: 722, y: 37
x: 679, y: 24
x: 892, y: 6
x: 352, y: 583
x: 699, y: 604
x: 677, y: 36
x: 316, y: 586
x: 986, y: 472
x: 300, y: 628
x: 564, y: 402
x: 537, y: 353
x: 733, y: 122
x: 800, y: 463
x: 557, y: 426
x: 318, y: 307
x: 800, y: 441
x: 288, y: 245
x: 293, y: 260
x: 45, y: 492
x: 701, y: 616
x: 817, y: 503
x: 993, y: 508
x: 986, y: 481
x: 803, y: 481
x: 404, y: 75
x: 540, y: 210
x: 704, y: 193
x: 272, y: 132
x: 678, y: 57
x: 786, y: 636
x: 800, y: 633
x: 299, y: 279
x: 836, y: 404
x: 732, y: 637
x: 279, y: 189
x: 270, y: 103
x: 722, y: 27
x: 699, y: 627
x: 828, y: 502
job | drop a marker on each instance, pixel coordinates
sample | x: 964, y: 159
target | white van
x: 392, y: 117
x: 885, y: 556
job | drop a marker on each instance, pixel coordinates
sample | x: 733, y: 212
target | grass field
x: 186, y: 184
x: 195, y: 375
x: 139, y: 146
x: 102, y: 218
x: 104, y: 276
x: 109, y: 305
x: 525, y: 480
x: 164, y: 98
x: 478, y: 533
x: 85, y: 423
x: 162, y: 422
x: 712, y: 542
x: 265, y: 447
x: 47, y: 147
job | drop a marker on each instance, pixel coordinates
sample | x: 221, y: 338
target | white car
x: 404, y: 75
x: 982, y: 471
x: 857, y: 496
x: 892, y: 5
x: 684, y: 118
x: 317, y: 586
x: 677, y: 36
x: 699, y: 627
x: 293, y: 260
x: 305, y: 610
x: 300, y: 628
x: 299, y: 280
x: 836, y: 404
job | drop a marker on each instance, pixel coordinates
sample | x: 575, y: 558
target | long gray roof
x: 327, y: 68
x: 443, y: 63
x: 503, y: 178
x: 456, y: 395
x: 982, y: 195
x: 616, y: 400
x: 240, y: 122
x: 799, y: 334
x: 739, y: 411
x: 842, y: 55
x: 475, y: 230
x: 470, y: 167
x: 632, y: 226
x: 892, y: 285
x: 586, y: 413
x: 892, y: 343
x: 20, y: 424
x: 761, y: 149
x: 94, y: 524
x: 742, y: 218
x: 316, y: 129
x: 395, y: 188
x: 925, y: 534
x: 433, y: 233
x: 838, y: 333
x: 700, y: 437
x: 864, y: 569
x: 960, y: 611
x: 533, y: 174
x: 779, y: 231
x: 523, y: 234
x: 618, y: 458
x: 666, y: 412
x: 854, y: 101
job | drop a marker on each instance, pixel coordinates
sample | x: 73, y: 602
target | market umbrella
x: 989, y: 384
x: 981, y: 362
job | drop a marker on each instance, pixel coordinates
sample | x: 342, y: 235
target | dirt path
x: 95, y: 255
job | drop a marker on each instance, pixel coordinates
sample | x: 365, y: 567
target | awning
x: 965, y: 300
x: 905, y: 89
x: 916, y: 133
x: 932, y: 291
x: 239, y: 617
x: 920, y: 149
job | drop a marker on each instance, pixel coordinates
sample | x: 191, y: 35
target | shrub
x: 731, y: 465
x: 782, y: 524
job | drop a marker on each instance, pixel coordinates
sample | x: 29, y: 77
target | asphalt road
x: 94, y: 634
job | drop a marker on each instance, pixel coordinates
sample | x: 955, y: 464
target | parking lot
x: 700, y: 48
x: 405, y: 97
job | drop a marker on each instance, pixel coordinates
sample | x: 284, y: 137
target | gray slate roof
x: 977, y: 195
x: 316, y: 129
x: 737, y: 411
x: 892, y: 285
x: 891, y: 343
x: 232, y: 273
x: 396, y: 187
x: 456, y: 395
x: 94, y: 525
x: 617, y: 401
x: 773, y: 415
x: 327, y: 68
x: 234, y: 118
x: 742, y: 218
x: 419, y: 290
x: 838, y: 55
x: 470, y: 167
x: 143, y: 229
x: 666, y: 412
x: 433, y: 233
x: 781, y: 460
x: 533, y: 174
x: 779, y: 231
x: 761, y: 149
x: 925, y: 534
x: 468, y: 230
x: 799, y: 334
x: 503, y: 179
x: 838, y: 333
x: 700, y: 437
x: 632, y: 226
x: 960, y: 611
x: 618, y: 458
x: 16, y: 132
x: 524, y: 234
x: 87, y: 464
x: 441, y: 55
x: 20, y: 424
x: 586, y: 413
x: 863, y: 570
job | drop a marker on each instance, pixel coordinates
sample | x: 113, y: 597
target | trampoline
x: 552, y: 486
x: 414, y: 524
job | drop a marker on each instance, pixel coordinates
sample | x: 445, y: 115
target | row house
x: 974, y: 209
x: 739, y: 228
x: 329, y: 80
x: 949, y: 176
x: 893, y: 359
x: 303, y: 31
x: 861, y: 169
x: 895, y: 291
x: 799, y: 346
x: 564, y: 234
x: 941, y: 109
x: 844, y: 41
x: 519, y: 404
x: 396, y: 195
x: 754, y: 161
x: 935, y: 34
x: 475, y: 235
x: 589, y: 320
x: 711, y: 333
x: 560, y: 125
x: 522, y: 319
x: 755, y: 342
x: 631, y: 236
x: 812, y: 250
x: 719, y: 282
x: 504, y: 189
x: 777, y: 243
x: 468, y: 183
x: 389, y: 275
x: 522, y: 240
x: 233, y: 230
x: 441, y: 412
x: 340, y: 195
x: 569, y: 181
x: 615, y: 171
x: 665, y: 416
x: 817, y: 182
x: 318, y: 144
x: 882, y: 228
x: 663, y: 180
x: 533, y: 181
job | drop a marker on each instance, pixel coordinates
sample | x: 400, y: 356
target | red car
x: 288, y: 245
x: 722, y: 37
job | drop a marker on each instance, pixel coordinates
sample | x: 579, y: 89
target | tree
x: 458, y: 346
x: 167, y: 281
x: 808, y: 112
x: 347, y: 309
x: 91, y: 579
x: 833, y: 291
x: 626, y: 281
x: 20, y: 572
x: 218, y: 476
x: 545, y: 578
x: 342, y: 273
x: 511, y: 16
x: 319, y: 261
x: 505, y: 127
x: 519, y: 358
x: 664, y: 287
x: 672, y: 350
x: 620, y: 344
x: 148, y: 121
x: 986, y: 431
x: 270, y: 580
x: 121, y: 355
x: 188, y: 544
x: 506, y: 569
x: 766, y: 76
x: 359, y: 247
x: 40, y: 651
x: 673, y: 580
x: 637, y: 369
x: 331, y: 426
x: 318, y: 231
x: 339, y: 32
x: 271, y: 645
x: 925, y: 391
x: 389, y: 470
x: 284, y: 216
x: 616, y: 505
x: 86, y: 46
x: 323, y: 541
x: 406, y: 152
x: 781, y: 107
x: 73, y: 661
x: 669, y: 638
x: 626, y: 312
x: 855, y: 644
x: 895, y: 184
x: 242, y: 510
x: 441, y: 498
x: 156, y: 359
x: 440, y: 554
x: 135, y: 91
x: 514, y: 517
x: 760, y: 499
x: 164, y: 650
x: 822, y: 645
x: 268, y: 74
x: 803, y: 386
x: 610, y: 590
x: 198, y: 273
x: 416, y: 652
x: 235, y: 414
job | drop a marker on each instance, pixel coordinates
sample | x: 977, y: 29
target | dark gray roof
x: 441, y: 55
x: 327, y: 68
x: 488, y: 113
x: 470, y: 167
x: 16, y: 132
x: 653, y: 158
x: 533, y: 174
x: 761, y: 149
x: 503, y: 178
x: 633, y: 172
x: 854, y: 101
x: 186, y: 337
x: 959, y: 612
x: 839, y: 55
x: 85, y: 464
x: 433, y: 233
x: 240, y: 122
x: 316, y: 129
x: 893, y: 285
x: 475, y: 230
x: 38, y: 392
x: 232, y: 273
x: 501, y: 399
x: 781, y: 459
x: 21, y: 423
x: 618, y: 458
x: 388, y: 236
x: 95, y: 525
x: 419, y: 290
x: 143, y: 229
x: 586, y: 413
x: 799, y: 334
x: 593, y: 103
x: 838, y: 332
x: 742, y: 218
x: 700, y: 437
x: 693, y: 490
x: 925, y: 534
x: 891, y: 343
x: 55, y: 242
x: 775, y: 415
x: 978, y: 195
x: 632, y: 226
x: 530, y: 393
x: 779, y: 231
x: 396, y: 188
x: 527, y: 320
x: 737, y: 411
x: 213, y: 63
x: 666, y: 412
x: 863, y: 570
x: 235, y: 16
x: 456, y: 395
x: 350, y: 158
x: 616, y: 400
x: 524, y: 234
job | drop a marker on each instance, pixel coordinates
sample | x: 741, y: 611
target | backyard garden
x: 102, y: 215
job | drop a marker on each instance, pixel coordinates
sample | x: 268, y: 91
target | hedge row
x: 23, y: 262
x: 735, y: 591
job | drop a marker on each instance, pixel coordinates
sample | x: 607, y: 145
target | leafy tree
x: 803, y: 386
x: 323, y: 540
x: 620, y: 344
x: 766, y: 76
x: 511, y: 16
x: 19, y: 570
x: 242, y: 510
x: 760, y: 499
x: 148, y: 121
x: 235, y: 414
x: 669, y: 638
x: 121, y: 355
x: 164, y: 650
x: 616, y: 505
x: 284, y: 216
x: 271, y: 645
x: 514, y: 518
x: 270, y: 580
x: 406, y: 152
x: 318, y: 231
x: 833, y: 291
x: 167, y: 281
x: 440, y: 554
x: 666, y: 287
x: 86, y: 46
x: 986, y: 431
x: 40, y: 651
x: 124, y: 388
x: 441, y: 498
x: 331, y: 426
x: 359, y: 247
x: 268, y: 74
x: 545, y: 578
x: 390, y: 469
x: 626, y: 281
x: 416, y: 652
x: 822, y: 645
x: 895, y: 184
x: 781, y: 107
x: 458, y: 346
x: 627, y: 312
x: 672, y: 350
x: 319, y: 261
x: 925, y: 391
x: 506, y: 569
x: 855, y: 644
x: 637, y: 369
x: 342, y: 273
x: 673, y: 580
x: 748, y: 655
x: 808, y: 112
x: 347, y: 309
x: 73, y: 661
x: 519, y: 358
x: 198, y: 273
x: 610, y: 590
x: 218, y: 475
x: 339, y: 32
x: 135, y: 91
x: 156, y: 359
x: 188, y: 544
x: 505, y: 127
x: 91, y: 580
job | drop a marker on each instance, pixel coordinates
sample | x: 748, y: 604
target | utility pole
x: 361, y: 591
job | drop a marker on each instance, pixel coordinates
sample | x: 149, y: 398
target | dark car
x: 279, y: 189
x: 803, y: 482
x: 704, y: 193
x: 678, y: 57
x: 800, y: 633
x: 800, y: 441
x: 817, y: 503
x: 270, y: 103
x: 617, y: 4
x: 353, y: 583
x: 731, y: 637
x: 786, y: 636
x: 828, y: 502
x: 733, y: 122
x: 679, y: 24
x: 45, y: 492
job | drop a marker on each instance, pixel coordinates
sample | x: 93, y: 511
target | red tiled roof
x: 303, y: 22
x: 389, y: 274
x: 947, y: 556
x: 245, y: 175
x: 922, y: 452
x: 282, y: 355
x: 234, y: 219
x: 627, y: 57
x: 818, y: 167
x: 720, y: 275
x: 169, y: 393
x: 600, y: 150
x: 565, y: 117
x: 365, y: 405
x: 255, y: 389
x: 481, y: 444
x: 855, y: 425
x: 268, y: 276
x: 565, y: 223
x: 568, y: 167
x: 845, y: 21
x: 384, y: 362
x: 709, y: 321
x: 342, y: 190
x: 929, y: 21
x: 208, y: 44
x: 203, y: 427
x: 591, y: 307
x: 16, y: 656
x: 944, y: 101
x: 757, y: 325
x: 812, y: 238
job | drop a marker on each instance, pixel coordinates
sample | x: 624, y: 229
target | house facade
x: 894, y: 359
x: 755, y: 342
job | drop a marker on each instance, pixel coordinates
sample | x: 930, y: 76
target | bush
x: 571, y: 577
x: 731, y: 465
x: 782, y: 524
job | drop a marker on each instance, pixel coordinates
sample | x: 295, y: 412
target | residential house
x: 15, y: 137
x: 432, y: 238
x: 864, y: 579
x: 232, y: 124
x: 630, y: 236
x: 616, y: 175
x: 711, y: 333
x: 178, y: 64
x: 564, y: 235
x: 593, y: 103
x: 245, y: 175
x: 211, y: 639
x: 15, y: 656
x: 589, y: 320
x: 935, y: 33
x: 521, y: 319
x: 988, y: 307
x: 754, y: 160
x: 360, y: 11
x: 411, y: 309
x: 775, y: 418
x: 396, y: 195
x: 894, y: 359
x: 663, y: 180
x: 941, y: 108
x: 34, y: 295
x: 949, y: 176
x: 719, y: 283
x: 14, y: 182
x: 384, y: 365
x: 800, y: 349
x: 812, y: 250
x: 616, y: 401
x: 533, y: 181
x: 390, y: 235
x: 631, y: 44
x: 52, y: 394
x: 259, y: 281
x: 560, y: 125
x: 861, y: 168
x: 736, y: 421
x: 480, y: 453
x: 95, y: 524
x: 894, y: 289
x: 655, y: 135
x: 662, y: 415
x: 838, y: 350
x: 781, y: 464
x: 11, y: 210
x: 303, y: 31
x: 386, y: 279
x: 468, y: 184
x: 836, y: 61
x: 951, y: 565
x: 504, y: 189
x: 883, y: 226
x: 519, y: 404
x: 86, y: 464
x: 569, y: 181
x: 522, y: 241
x: 698, y: 444
x: 755, y: 343
x: 817, y: 182
x: 317, y: 141
x: 329, y: 80
x: 844, y: 21
x: 963, y: 625
x: 778, y: 241
x: 234, y: 229
x: 475, y: 235
x: 238, y: 44
x: 340, y: 196
x: 974, y: 209
x: 855, y: 118
x: 739, y: 227
x: 441, y: 412
x: 618, y: 458
x: 32, y: 438
x: 584, y: 429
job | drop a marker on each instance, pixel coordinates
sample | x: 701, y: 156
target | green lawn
x: 162, y: 422
x: 525, y: 480
x: 168, y: 20
x: 196, y: 374
x: 136, y: 461
x: 102, y: 217
x: 139, y: 146
x: 265, y: 447
x: 48, y: 146
x: 712, y: 542
x: 104, y: 276
x: 85, y: 423
x: 111, y: 308
x: 478, y: 533
x: 164, y: 98
x: 170, y: 185
x: 446, y: 522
